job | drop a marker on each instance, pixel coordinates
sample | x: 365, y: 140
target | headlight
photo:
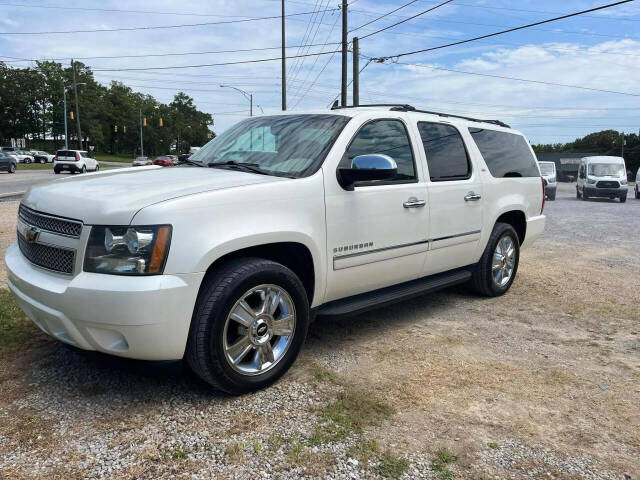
x: 591, y: 180
x: 552, y: 179
x: 128, y: 250
x: 623, y: 181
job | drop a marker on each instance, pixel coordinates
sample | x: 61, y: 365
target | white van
x: 602, y: 177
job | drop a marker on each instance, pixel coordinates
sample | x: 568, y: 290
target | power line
x: 311, y: 40
x: 522, y: 27
x: 178, y: 54
x: 186, y: 25
x: 239, y: 62
x: 407, y: 19
x: 504, y: 77
x: 383, y: 15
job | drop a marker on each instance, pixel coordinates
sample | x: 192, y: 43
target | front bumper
x: 146, y: 318
x: 604, y: 192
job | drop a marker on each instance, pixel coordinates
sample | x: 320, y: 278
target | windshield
x: 285, y: 145
x: 547, y: 168
x: 606, y: 170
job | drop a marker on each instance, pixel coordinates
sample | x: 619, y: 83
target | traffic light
x: 161, y: 124
x: 115, y: 128
x: 71, y: 114
x: 124, y: 129
x: 144, y: 121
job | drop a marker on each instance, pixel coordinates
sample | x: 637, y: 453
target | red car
x: 163, y: 161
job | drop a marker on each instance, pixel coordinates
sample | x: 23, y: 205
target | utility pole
x: 284, y: 65
x: 64, y: 101
x: 141, y: 141
x: 623, y: 142
x: 356, y: 72
x: 344, y: 53
x: 75, y: 92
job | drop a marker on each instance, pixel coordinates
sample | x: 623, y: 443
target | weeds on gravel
x: 179, y: 453
x: 440, y: 464
x: 349, y: 413
x: 364, y: 450
x: 14, y: 328
x: 391, y: 466
x: 493, y: 445
x: 323, y: 374
x: 235, y: 451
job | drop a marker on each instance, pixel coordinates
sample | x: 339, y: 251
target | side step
x: 385, y: 296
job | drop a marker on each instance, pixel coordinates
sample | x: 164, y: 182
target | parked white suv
x: 226, y: 259
x: 74, y: 161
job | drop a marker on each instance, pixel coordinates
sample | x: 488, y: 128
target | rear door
x: 455, y: 198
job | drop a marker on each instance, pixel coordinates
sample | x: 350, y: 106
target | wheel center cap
x: 260, y: 333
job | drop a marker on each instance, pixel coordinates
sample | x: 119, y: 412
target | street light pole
x: 75, y: 91
x: 248, y: 96
x: 141, y: 141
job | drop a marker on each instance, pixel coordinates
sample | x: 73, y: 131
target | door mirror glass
x: 365, y: 168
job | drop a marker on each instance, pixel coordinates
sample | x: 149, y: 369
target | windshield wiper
x: 192, y: 162
x: 249, y: 167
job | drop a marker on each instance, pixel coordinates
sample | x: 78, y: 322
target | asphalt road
x: 19, y: 182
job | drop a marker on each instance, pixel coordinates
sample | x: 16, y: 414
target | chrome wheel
x: 259, y: 329
x: 504, y: 260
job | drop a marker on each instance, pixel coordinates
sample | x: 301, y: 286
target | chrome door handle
x: 472, y: 197
x: 413, y: 202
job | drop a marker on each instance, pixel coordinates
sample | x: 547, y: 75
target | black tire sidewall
x: 276, y: 274
x: 502, y: 229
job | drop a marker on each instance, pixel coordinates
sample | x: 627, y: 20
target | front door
x: 377, y: 233
x: 455, y: 198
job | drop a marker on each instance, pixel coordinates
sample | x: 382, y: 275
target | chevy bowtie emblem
x: 31, y: 234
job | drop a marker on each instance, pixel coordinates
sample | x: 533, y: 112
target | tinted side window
x: 506, y: 154
x: 446, y: 154
x: 388, y: 137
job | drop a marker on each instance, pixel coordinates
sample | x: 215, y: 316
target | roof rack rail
x: 398, y: 107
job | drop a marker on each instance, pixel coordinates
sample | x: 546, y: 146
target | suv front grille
x: 607, y: 184
x: 61, y: 226
x: 52, y: 258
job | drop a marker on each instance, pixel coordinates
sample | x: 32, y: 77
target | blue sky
x: 600, y: 51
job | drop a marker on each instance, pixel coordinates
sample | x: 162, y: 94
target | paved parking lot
x: 543, y: 382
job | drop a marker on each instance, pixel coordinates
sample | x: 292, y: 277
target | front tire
x: 623, y: 198
x: 552, y: 196
x: 249, y: 324
x: 12, y: 168
x: 637, y: 193
x: 578, y: 196
x: 493, y: 275
x: 97, y: 167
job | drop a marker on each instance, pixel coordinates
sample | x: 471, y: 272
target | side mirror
x: 365, y: 168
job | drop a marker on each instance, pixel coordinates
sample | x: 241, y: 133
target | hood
x: 113, y: 197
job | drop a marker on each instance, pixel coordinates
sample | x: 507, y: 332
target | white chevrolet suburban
x: 224, y: 260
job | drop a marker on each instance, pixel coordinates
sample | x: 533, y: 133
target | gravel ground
x: 543, y: 382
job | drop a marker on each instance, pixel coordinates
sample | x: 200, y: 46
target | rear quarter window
x: 506, y: 154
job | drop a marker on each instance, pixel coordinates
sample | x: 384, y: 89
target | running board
x: 385, y: 296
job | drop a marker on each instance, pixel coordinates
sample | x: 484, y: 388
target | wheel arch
x: 295, y: 255
x: 517, y: 219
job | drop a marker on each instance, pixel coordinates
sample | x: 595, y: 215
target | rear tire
x: 213, y: 327
x: 12, y: 168
x: 56, y: 171
x: 584, y: 195
x: 84, y: 169
x: 637, y: 193
x: 486, y: 272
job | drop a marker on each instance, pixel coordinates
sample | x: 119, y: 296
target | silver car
x: 141, y: 162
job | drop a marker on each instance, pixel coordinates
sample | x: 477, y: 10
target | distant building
x: 566, y: 163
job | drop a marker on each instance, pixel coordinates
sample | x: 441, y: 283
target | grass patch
x: 441, y: 464
x: 349, y: 413
x: 235, y: 451
x: 391, y: 466
x: 493, y: 445
x: 14, y: 327
x: 34, y: 166
x: 106, y: 157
